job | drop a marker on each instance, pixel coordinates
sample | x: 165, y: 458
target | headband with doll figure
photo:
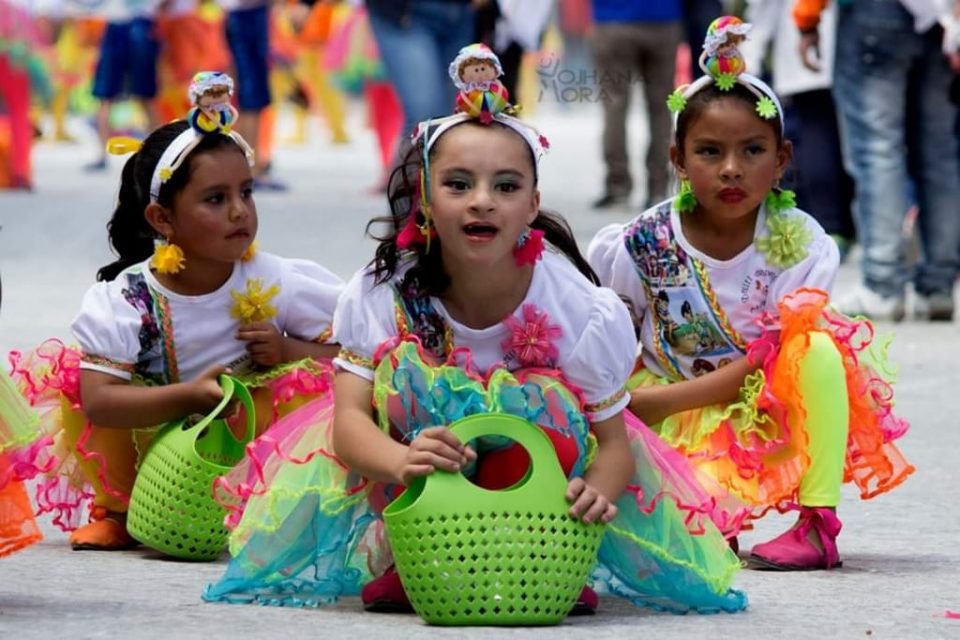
x: 212, y: 113
x: 723, y: 65
x: 483, y: 99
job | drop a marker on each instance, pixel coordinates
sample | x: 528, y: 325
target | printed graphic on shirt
x: 137, y: 294
x: 423, y: 320
x: 755, y: 290
x: 686, y: 324
x: 658, y: 258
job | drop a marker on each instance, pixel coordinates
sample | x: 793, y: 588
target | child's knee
x: 822, y: 350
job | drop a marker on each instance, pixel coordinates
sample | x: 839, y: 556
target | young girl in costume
x: 792, y: 398
x: 23, y: 454
x: 157, y: 330
x: 477, y: 301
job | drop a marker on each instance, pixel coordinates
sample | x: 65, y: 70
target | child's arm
x: 653, y: 404
x: 594, y: 495
x: 363, y: 447
x: 109, y: 401
x: 268, y: 347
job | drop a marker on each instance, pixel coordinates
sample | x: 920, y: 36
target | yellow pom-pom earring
x: 167, y: 258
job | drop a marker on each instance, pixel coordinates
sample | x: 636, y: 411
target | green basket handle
x: 231, y: 387
x: 544, y: 482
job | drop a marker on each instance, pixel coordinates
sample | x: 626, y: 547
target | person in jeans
x: 417, y: 39
x: 822, y: 185
x: 127, y: 65
x: 891, y: 83
x: 630, y: 40
x: 248, y: 36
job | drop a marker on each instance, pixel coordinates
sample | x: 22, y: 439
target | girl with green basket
x: 188, y: 299
x: 477, y: 302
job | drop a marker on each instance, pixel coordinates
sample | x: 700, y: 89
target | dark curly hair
x: 427, y: 276
x: 131, y: 236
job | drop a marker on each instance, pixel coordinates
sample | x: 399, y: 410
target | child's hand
x: 435, y: 448
x: 264, y: 343
x: 589, y: 505
x: 206, y: 388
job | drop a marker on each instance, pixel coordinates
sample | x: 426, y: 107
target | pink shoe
x: 385, y: 594
x: 792, y: 551
x: 586, y: 604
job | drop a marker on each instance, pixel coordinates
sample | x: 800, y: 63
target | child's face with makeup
x: 483, y: 192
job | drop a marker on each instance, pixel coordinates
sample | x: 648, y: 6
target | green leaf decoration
x: 725, y: 81
x: 685, y: 200
x: 766, y: 108
x: 786, y: 241
x: 779, y: 200
x: 676, y: 102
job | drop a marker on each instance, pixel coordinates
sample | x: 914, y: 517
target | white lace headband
x: 755, y: 85
x: 431, y: 130
x: 178, y: 150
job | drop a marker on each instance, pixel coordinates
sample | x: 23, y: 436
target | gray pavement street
x: 901, y: 552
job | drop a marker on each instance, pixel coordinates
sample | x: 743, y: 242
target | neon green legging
x: 825, y: 417
x: 823, y: 387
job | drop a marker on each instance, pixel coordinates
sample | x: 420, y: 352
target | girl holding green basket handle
x: 188, y: 298
x: 477, y: 302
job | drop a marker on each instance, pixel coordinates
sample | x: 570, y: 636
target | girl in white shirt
x: 477, y: 301
x: 165, y: 321
x: 744, y: 367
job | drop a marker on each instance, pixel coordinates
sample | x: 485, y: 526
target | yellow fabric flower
x: 167, y: 258
x: 249, y: 253
x: 786, y: 243
x: 254, y: 305
x: 165, y: 174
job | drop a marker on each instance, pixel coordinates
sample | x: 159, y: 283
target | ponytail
x: 130, y: 235
x: 557, y: 232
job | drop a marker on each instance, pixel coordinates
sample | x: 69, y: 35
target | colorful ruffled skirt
x: 98, y: 466
x: 24, y: 453
x: 758, y: 448
x: 311, y: 530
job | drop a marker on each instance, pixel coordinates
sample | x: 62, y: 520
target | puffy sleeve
x: 311, y: 293
x: 817, y: 270
x: 107, y: 329
x: 603, y: 357
x: 363, y: 321
x: 609, y: 258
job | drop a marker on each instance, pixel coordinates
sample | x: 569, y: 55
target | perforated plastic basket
x: 470, y: 556
x: 172, y: 507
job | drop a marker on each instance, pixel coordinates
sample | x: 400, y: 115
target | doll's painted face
x: 214, y: 101
x: 478, y: 71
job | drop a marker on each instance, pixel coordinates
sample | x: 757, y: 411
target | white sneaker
x: 937, y: 307
x: 863, y: 301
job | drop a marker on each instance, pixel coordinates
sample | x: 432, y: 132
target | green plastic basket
x: 471, y: 556
x: 172, y: 508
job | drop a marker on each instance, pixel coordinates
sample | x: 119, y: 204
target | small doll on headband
x: 724, y: 66
x: 210, y: 93
x: 475, y: 71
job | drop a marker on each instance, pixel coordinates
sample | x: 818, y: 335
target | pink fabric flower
x: 529, y: 247
x: 532, y: 339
